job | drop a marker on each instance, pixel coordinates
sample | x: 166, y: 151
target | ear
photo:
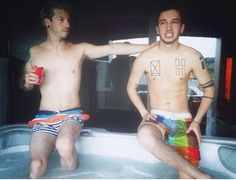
x: 47, y: 22
x: 182, y: 28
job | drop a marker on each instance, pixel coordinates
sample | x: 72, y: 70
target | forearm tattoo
x: 203, y: 63
x: 208, y: 84
x: 180, y: 66
x: 155, y: 68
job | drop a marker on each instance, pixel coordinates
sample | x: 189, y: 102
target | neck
x: 168, y: 47
x: 55, y: 43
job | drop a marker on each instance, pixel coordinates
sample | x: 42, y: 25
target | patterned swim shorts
x: 51, y: 121
x: 173, y: 127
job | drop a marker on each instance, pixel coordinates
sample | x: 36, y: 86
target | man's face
x: 169, y: 26
x: 59, y: 26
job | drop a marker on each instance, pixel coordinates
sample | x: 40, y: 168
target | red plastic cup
x: 39, y: 72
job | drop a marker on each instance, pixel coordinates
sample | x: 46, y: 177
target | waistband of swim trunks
x: 46, y: 112
x: 171, y: 115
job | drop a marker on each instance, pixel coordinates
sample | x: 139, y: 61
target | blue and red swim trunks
x: 51, y: 121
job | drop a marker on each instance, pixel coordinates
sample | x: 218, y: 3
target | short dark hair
x: 47, y: 10
x: 169, y: 6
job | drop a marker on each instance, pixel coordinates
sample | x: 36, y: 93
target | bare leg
x: 65, y: 144
x: 150, y: 138
x: 41, y: 147
x: 183, y: 175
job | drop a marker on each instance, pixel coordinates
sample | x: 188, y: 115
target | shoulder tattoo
x: 203, y: 63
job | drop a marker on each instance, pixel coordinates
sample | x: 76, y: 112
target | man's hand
x: 31, y: 78
x: 195, y: 127
x: 149, y: 117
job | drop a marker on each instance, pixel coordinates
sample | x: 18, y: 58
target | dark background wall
x: 98, y: 21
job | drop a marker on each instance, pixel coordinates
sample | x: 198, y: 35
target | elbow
x: 210, y: 92
x: 130, y: 90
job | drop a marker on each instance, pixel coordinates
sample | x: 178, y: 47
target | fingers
x: 198, y: 138
x: 197, y: 132
x: 149, y: 117
x: 188, y: 130
x: 31, y: 78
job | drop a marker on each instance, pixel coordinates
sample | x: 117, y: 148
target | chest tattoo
x: 180, y: 66
x: 155, y: 68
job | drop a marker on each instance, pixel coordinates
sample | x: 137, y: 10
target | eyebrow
x: 175, y: 19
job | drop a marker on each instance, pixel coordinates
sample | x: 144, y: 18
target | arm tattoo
x: 180, y: 66
x: 203, y: 63
x: 208, y: 97
x: 208, y: 84
x: 155, y: 68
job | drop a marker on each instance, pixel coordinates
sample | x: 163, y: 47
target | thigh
x: 70, y: 130
x: 41, y: 145
x: 186, y: 144
x: 155, y: 127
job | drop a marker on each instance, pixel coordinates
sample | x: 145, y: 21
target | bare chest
x: 59, y: 65
x: 172, y: 69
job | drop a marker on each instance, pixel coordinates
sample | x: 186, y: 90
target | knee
x: 147, y: 138
x: 65, y: 147
x: 37, y: 168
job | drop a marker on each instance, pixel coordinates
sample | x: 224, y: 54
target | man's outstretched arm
x: 93, y: 51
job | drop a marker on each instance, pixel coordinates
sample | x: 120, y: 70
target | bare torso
x: 62, y: 76
x: 167, y: 74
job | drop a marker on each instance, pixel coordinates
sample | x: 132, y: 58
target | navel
x: 167, y: 103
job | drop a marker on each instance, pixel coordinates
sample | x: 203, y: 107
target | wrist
x: 197, y: 122
x: 27, y: 86
x: 144, y: 114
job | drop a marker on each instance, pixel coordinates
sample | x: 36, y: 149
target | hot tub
x: 110, y: 155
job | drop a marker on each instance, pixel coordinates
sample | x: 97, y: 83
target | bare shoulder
x: 144, y: 58
x: 80, y: 49
x: 153, y: 44
x: 191, y: 53
x: 34, y: 49
x: 83, y: 45
x: 37, y: 48
x: 32, y: 53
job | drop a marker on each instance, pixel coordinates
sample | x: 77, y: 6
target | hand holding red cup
x: 39, y: 71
